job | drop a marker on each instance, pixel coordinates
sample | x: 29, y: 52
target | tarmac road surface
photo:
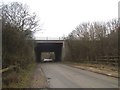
x: 63, y: 76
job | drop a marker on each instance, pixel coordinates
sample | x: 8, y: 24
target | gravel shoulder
x: 39, y: 80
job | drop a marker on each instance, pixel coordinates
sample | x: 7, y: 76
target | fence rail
x: 107, y: 60
x: 7, y: 69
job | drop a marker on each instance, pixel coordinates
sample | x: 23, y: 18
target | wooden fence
x: 107, y: 60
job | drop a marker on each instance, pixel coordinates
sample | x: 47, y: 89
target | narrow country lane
x: 63, y: 76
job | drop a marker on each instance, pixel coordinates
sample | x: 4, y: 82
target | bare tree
x: 94, y: 39
x: 18, y: 15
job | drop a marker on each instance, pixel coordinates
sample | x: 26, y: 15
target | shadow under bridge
x: 49, y: 46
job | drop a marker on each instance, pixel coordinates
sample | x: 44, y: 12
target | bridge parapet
x: 50, y: 38
x: 49, y: 41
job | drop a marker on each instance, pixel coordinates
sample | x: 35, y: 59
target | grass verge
x: 97, y: 68
x: 23, y: 77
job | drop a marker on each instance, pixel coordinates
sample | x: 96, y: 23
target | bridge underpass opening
x: 47, y: 55
x: 48, y: 47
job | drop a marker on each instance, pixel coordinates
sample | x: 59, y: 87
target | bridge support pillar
x: 58, y: 55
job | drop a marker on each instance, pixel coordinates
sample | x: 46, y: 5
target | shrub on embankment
x: 18, y: 26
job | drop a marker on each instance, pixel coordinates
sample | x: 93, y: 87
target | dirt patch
x: 101, y: 69
x: 39, y: 80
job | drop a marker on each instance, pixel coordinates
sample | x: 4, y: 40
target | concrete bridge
x: 49, y: 45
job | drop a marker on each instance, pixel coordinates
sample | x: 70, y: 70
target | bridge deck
x: 49, y: 41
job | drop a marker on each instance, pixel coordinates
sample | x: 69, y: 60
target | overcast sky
x: 60, y: 17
